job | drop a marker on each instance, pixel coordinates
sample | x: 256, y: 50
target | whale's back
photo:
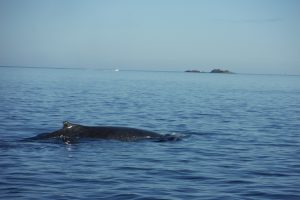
x: 71, y: 132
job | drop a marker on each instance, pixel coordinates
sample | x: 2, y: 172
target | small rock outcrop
x: 193, y: 70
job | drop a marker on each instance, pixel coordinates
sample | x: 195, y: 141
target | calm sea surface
x: 243, y: 135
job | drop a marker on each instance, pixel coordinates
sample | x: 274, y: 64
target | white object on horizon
x: 116, y: 70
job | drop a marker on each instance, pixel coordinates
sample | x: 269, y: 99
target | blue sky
x: 255, y: 36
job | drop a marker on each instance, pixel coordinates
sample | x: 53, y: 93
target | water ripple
x: 243, y: 135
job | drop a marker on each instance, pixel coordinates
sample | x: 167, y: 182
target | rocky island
x: 220, y: 71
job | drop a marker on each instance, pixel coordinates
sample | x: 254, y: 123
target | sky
x: 244, y: 36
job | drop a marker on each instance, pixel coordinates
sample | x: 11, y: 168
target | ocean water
x: 243, y: 135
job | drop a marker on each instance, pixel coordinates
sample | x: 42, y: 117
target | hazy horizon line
x: 138, y: 70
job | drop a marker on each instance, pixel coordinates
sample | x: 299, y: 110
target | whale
x: 71, y: 132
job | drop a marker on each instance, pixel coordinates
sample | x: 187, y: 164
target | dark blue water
x: 243, y: 130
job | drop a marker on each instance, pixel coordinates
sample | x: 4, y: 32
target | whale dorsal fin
x: 67, y: 124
